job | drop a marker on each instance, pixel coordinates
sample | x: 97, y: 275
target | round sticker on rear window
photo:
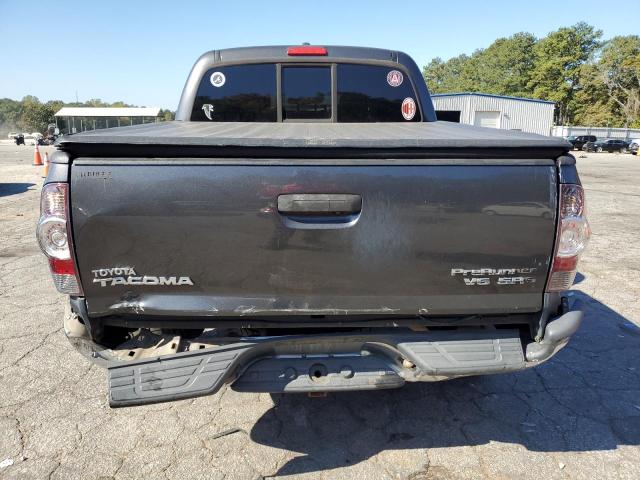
x: 408, y: 108
x: 394, y: 78
x: 218, y: 79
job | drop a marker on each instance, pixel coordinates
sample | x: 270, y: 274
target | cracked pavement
x: 577, y: 416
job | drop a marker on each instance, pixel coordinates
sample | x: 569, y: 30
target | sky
x: 141, y: 52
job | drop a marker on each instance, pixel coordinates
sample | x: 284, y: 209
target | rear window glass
x: 370, y: 93
x: 249, y: 93
x: 242, y: 93
x: 306, y: 93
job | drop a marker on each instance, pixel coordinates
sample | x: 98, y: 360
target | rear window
x: 358, y: 93
x: 306, y: 93
x: 369, y: 93
x: 242, y: 93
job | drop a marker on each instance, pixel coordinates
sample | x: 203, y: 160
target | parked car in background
x: 610, y: 145
x: 579, y: 141
x: 589, y: 147
x: 633, y: 146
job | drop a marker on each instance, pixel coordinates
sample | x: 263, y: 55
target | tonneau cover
x: 416, y: 137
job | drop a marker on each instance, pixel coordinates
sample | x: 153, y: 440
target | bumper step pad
x: 466, y: 354
x: 174, y: 377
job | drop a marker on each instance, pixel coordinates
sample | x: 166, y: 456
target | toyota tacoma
x: 307, y: 225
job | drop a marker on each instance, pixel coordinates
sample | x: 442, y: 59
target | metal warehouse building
x: 495, y: 111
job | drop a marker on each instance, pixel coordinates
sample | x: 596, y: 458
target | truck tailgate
x: 202, y: 238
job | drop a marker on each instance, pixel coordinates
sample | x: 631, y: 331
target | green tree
x: 95, y: 102
x: 55, y: 105
x: 166, y: 115
x: 35, y: 115
x: 120, y: 104
x: 619, y: 65
x: 449, y: 76
x: 504, y: 68
x: 10, y: 113
x: 557, y: 62
x: 591, y: 105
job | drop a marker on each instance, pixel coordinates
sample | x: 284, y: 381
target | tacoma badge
x: 127, y: 276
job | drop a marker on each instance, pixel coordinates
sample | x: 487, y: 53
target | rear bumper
x: 321, y: 362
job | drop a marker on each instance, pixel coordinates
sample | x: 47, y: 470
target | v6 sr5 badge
x: 482, y: 277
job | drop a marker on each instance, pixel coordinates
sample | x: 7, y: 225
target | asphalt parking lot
x: 577, y: 416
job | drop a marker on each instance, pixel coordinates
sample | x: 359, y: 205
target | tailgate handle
x: 319, y: 204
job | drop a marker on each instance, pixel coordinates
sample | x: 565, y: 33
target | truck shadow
x: 7, y: 189
x: 586, y: 398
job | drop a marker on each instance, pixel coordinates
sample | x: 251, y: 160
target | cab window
x: 306, y: 93
x: 371, y: 93
x: 242, y: 93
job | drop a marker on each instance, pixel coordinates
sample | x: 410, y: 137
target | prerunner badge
x: 218, y: 79
x: 408, y: 108
x: 394, y: 78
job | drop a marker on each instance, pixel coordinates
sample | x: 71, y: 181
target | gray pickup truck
x: 307, y: 225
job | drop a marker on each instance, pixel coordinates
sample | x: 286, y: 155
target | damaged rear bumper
x: 317, y: 362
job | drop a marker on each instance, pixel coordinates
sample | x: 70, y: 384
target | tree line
x: 593, y: 82
x: 31, y: 115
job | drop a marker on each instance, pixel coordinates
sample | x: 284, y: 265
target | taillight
x: 572, y: 237
x: 54, y: 237
x: 306, y: 50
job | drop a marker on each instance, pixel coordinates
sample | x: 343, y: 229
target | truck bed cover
x: 318, y: 139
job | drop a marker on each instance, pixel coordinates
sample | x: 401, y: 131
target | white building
x: 495, y: 111
x: 80, y: 119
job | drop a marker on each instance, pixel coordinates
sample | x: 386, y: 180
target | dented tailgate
x: 201, y: 238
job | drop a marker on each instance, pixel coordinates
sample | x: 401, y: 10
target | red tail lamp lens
x: 54, y: 236
x: 572, y: 237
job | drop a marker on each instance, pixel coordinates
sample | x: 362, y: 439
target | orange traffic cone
x: 37, y: 159
x: 45, y: 172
